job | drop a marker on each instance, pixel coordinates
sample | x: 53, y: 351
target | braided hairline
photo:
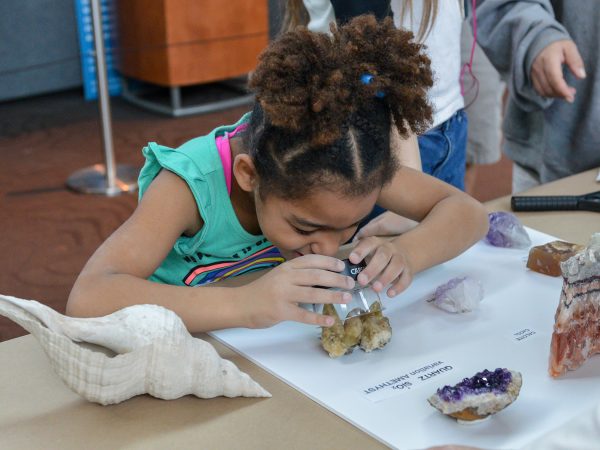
x: 367, y: 160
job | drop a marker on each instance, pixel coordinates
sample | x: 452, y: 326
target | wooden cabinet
x: 185, y: 42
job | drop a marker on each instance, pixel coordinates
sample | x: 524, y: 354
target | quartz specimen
x: 371, y: 331
x: 461, y: 294
x: 341, y: 337
x: 376, y: 329
x: 480, y: 396
x: 576, y: 334
x: 332, y: 338
x: 506, y: 231
x: 546, y: 258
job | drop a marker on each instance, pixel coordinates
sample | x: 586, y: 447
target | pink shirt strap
x: 224, y: 149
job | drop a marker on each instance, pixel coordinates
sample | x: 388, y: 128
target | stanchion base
x: 92, y: 180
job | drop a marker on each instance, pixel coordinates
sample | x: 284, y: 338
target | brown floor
x: 49, y: 232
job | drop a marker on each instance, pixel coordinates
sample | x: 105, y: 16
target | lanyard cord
x: 468, y: 67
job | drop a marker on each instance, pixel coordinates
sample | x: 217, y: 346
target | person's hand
x: 386, y: 224
x: 547, y: 74
x: 274, y: 297
x: 387, y: 265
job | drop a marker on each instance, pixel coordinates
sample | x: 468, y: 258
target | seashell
x: 155, y: 354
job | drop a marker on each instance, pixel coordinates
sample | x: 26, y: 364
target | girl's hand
x: 274, y: 297
x: 387, y: 265
x: 386, y: 224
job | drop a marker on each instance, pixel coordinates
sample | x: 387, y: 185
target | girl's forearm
x: 201, y: 309
x: 452, y: 226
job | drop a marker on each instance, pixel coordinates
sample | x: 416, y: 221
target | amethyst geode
x: 506, y: 231
x: 477, y: 397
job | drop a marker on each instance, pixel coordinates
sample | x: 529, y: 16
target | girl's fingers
x: 320, y: 295
x: 392, y: 271
x: 363, y: 248
x: 377, y: 266
x: 317, y: 262
x: 387, y: 224
x: 311, y: 318
x: 373, y: 228
x: 325, y: 278
x: 378, y: 262
x: 400, y: 284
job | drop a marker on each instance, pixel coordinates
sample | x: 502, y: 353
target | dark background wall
x: 39, y: 50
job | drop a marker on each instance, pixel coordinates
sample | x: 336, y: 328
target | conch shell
x: 155, y: 354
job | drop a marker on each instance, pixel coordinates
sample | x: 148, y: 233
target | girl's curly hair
x: 324, y: 106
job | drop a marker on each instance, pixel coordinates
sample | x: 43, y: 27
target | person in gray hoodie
x: 548, y: 52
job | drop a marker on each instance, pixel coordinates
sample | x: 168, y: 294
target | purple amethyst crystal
x: 506, y: 231
x: 461, y: 294
x: 480, y: 396
x: 496, y: 382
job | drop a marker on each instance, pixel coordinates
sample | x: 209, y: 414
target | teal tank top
x: 222, y: 248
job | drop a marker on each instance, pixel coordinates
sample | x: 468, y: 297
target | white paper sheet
x: 431, y: 348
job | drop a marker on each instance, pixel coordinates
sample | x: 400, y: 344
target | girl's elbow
x: 77, y: 305
x: 74, y: 308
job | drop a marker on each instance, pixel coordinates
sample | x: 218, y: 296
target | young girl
x: 289, y: 182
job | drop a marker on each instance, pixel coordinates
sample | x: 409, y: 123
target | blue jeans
x: 443, y: 150
x: 443, y: 155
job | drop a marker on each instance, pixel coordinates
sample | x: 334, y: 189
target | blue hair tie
x: 366, y: 79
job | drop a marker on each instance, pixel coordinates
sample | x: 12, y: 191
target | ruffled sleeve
x: 182, y: 162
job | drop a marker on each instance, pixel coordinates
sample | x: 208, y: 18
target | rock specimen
x: 576, y: 334
x: 480, y: 396
x: 376, y: 329
x: 370, y: 331
x: 341, y: 337
x: 461, y: 294
x: 155, y: 354
x: 506, y: 231
x: 546, y: 258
